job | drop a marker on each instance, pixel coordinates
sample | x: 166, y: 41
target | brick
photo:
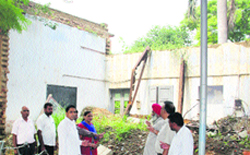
x: 4, y: 48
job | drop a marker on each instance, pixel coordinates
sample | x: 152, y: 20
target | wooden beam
x: 181, y: 86
x: 132, y: 95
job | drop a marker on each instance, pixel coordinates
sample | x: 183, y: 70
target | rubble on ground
x: 132, y: 145
x: 229, y: 135
x: 96, y: 111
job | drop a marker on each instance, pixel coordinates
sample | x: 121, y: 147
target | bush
x: 118, y: 126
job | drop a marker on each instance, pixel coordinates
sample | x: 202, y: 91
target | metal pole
x: 203, y: 80
x: 1, y: 147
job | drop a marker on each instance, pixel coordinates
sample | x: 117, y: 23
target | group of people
x: 73, y: 139
x: 168, y: 134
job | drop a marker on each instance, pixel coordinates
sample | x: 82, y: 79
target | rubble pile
x: 133, y: 144
x: 229, y: 135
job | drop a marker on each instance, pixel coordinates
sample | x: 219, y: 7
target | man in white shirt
x: 46, y: 130
x: 24, y: 131
x: 69, y: 142
x: 165, y: 134
x: 182, y: 143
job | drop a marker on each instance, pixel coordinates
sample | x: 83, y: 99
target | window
x: 119, y: 100
x: 159, y: 94
x: 214, y: 94
x: 63, y: 95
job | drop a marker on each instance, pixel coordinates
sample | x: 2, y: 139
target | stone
x: 243, y: 134
x: 102, y: 150
x: 211, y: 134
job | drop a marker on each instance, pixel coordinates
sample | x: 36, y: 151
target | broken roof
x: 73, y: 21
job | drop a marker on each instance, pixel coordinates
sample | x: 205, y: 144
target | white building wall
x: 228, y: 66
x: 41, y: 56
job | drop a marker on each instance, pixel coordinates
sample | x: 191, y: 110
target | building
x: 73, y: 64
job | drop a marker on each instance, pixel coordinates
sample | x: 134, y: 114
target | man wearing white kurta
x: 46, y: 130
x: 69, y: 142
x: 149, y: 148
x: 182, y: 143
x: 165, y: 134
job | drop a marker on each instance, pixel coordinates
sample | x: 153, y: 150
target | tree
x: 222, y: 20
x: 240, y: 30
x: 11, y: 16
x: 161, y: 38
x: 238, y: 21
x: 191, y: 13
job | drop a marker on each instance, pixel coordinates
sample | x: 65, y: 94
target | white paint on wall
x: 41, y: 56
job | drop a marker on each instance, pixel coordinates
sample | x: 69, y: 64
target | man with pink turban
x: 157, y: 122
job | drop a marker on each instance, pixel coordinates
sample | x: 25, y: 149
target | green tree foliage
x: 242, y: 21
x: 11, y: 15
x: 161, y: 38
x: 239, y: 32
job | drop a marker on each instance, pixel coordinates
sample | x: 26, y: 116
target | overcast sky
x: 130, y: 19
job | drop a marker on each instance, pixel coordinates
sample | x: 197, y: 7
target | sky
x: 129, y: 20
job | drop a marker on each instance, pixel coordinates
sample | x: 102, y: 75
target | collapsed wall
x: 228, y: 80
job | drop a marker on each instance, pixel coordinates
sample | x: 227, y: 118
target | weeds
x: 120, y: 126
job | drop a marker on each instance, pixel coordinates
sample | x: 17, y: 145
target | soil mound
x: 96, y: 111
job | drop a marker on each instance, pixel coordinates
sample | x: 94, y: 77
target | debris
x: 102, y: 150
x: 243, y: 134
x: 132, y: 145
x: 228, y: 135
x: 211, y: 134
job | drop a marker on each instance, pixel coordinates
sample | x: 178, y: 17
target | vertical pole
x: 1, y: 147
x: 122, y: 102
x: 181, y: 86
x: 203, y: 80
